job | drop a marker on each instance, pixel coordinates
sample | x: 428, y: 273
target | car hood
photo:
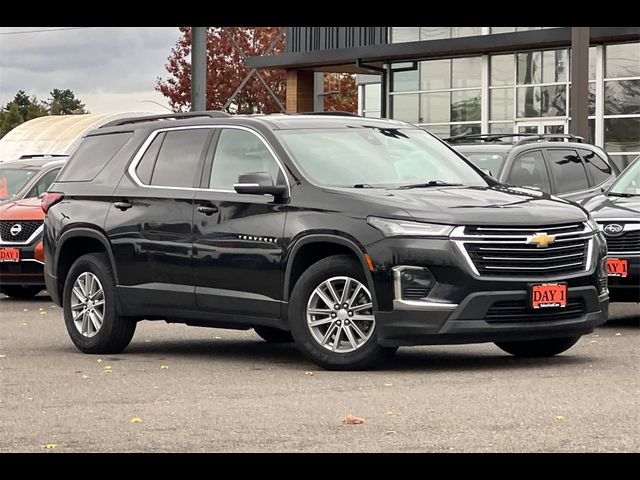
x: 27, y: 209
x: 603, y: 207
x: 498, y: 205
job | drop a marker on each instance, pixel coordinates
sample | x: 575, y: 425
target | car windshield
x: 491, y: 161
x: 629, y: 181
x: 12, y: 180
x: 376, y: 157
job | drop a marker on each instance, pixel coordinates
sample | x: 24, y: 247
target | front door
x: 542, y: 126
x: 237, y: 252
x: 150, y: 222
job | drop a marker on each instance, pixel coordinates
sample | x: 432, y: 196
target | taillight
x: 49, y: 199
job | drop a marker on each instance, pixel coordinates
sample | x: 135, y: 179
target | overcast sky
x: 109, y: 68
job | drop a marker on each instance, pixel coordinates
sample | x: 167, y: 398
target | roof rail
x: 167, y: 116
x: 486, y: 137
x: 41, y: 155
x: 550, y: 136
x: 331, y: 114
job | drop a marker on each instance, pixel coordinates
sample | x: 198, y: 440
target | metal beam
x: 198, y: 69
x: 579, y: 93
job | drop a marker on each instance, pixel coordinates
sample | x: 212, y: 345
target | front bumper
x: 472, y: 321
x: 28, y: 271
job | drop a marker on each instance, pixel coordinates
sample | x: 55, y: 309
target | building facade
x: 457, y: 80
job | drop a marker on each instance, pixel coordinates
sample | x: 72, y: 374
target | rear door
x: 237, y: 255
x: 151, y: 218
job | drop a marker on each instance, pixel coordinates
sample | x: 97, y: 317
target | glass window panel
x: 435, y: 107
x: 622, y: 97
x: 592, y: 98
x: 43, y: 183
x: 567, y: 170
x: 237, y: 153
x: 501, y: 104
x: 466, y: 129
x: 179, y: 157
x: 622, y: 60
x: 623, y: 161
x: 405, y: 107
x: 529, y: 170
x: 441, y: 131
x: 466, y: 72
x: 599, y: 169
x: 622, y: 134
x: 592, y: 63
x: 144, y: 170
x: 372, y: 96
x: 404, y: 81
x: 465, y: 105
x: 502, y: 69
x: 591, y: 137
x: 553, y: 100
x: 554, y: 66
x: 554, y: 128
x: 434, y: 33
x: 501, y: 127
x: 465, y: 31
x: 371, y: 114
x: 529, y: 67
x: 525, y: 29
x: 404, y: 34
x: 529, y: 102
x: 528, y: 129
x: 435, y: 74
x: 503, y: 29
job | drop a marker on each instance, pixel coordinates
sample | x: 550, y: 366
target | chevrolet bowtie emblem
x: 542, y: 240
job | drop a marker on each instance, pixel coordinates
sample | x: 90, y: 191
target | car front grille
x: 518, y: 311
x: 504, y: 252
x: 629, y: 242
x: 27, y: 229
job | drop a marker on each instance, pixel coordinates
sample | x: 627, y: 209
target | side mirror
x: 259, y: 183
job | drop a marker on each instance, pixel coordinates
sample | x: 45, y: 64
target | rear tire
x: 538, y: 348
x: 274, y: 335
x: 20, y: 292
x: 90, y: 335
x: 335, y: 338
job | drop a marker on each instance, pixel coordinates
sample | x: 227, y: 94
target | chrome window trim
x: 131, y: 170
x: 33, y: 236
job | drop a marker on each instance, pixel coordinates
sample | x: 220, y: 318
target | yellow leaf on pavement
x: 163, y: 367
x: 309, y: 373
x: 3, y: 356
x: 618, y: 334
x: 99, y: 360
x: 352, y: 420
x: 50, y: 445
x: 560, y: 418
x: 136, y: 420
x: 388, y: 384
x: 84, y: 376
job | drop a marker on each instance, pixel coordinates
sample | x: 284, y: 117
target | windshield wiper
x: 614, y: 194
x: 430, y: 183
x: 363, y: 185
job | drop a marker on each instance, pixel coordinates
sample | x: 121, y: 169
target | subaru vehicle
x: 617, y: 211
x: 560, y: 164
x: 350, y: 235
x: 21, y: 224
x: 26, y: 178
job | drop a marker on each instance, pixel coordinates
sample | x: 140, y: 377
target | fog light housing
x: 412, y: 283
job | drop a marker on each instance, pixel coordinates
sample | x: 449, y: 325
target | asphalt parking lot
x: 179, y: 388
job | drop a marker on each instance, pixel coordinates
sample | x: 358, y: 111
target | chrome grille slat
x: 627, y: 243
x: 503, y: 252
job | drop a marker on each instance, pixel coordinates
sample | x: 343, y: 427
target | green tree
x: 64, y: 102
x: 10, y: 119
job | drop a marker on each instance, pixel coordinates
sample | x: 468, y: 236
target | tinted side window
x: 239, y: 152
x: 92, y: 155
x: 144, y: 170
x: 598, y: 168
x: 528, y: 169
x: 567, y: 170
x: 43, y: 183
x: 179, y: 157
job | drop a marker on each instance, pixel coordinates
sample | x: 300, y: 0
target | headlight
x: 593, y: 225
x: 393, y: 228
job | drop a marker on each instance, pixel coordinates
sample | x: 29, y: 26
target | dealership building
x: 458, y: 80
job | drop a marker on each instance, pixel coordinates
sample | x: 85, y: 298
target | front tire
x: 538, y: 348
x: 331, y: 316
x: 20, y: 292
x: 89, y: 302
x: 273, y: 335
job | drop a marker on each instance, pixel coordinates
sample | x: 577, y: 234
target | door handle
x: 207, y: 210
x: 124, y: 205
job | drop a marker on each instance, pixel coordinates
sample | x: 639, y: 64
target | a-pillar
x: 299, y: 91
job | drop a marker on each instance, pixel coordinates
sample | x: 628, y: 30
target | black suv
x: 350, y: 235
x: 560, y: 164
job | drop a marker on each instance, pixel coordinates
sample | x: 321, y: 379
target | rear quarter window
x: 92, y: 155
